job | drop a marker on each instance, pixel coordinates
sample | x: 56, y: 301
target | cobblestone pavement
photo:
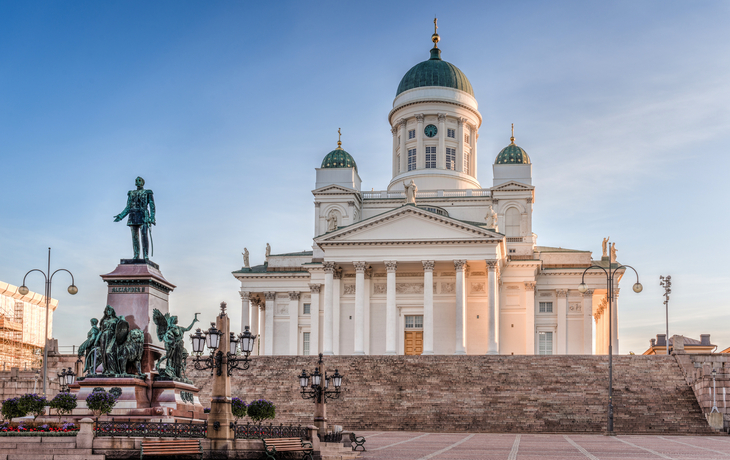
x: 488, y: 446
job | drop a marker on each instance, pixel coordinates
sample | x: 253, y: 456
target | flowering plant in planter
x: 100, y: 402
x: 12, y: 409
x: 64, y: 403
x: 33, y: 404
x: 261, y: 409
x: 238, y: 408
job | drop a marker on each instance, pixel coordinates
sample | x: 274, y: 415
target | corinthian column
x: 329, y: 269
x: 245, y: 309
x: 359, y: 307
x: 403, y: 154
x: 493, y: 321
x: 294, y: 323
x: 529, y: 317
x: 314, y: 288
x: 587, y: 322
x: 428, y: 307
x: 390, y: 310
x: 460, y: 265
x: 269, y: 323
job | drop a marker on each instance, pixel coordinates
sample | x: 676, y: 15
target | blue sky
x: 226, y: 108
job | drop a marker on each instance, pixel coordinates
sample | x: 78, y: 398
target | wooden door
x: 414, y: 342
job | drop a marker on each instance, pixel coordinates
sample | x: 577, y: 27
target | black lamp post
x: 23, y: 290
x: 212, y: 338
x: 610, y: 275
x: 666, y: 283
x: 319, y: 392
x: 66, y: 378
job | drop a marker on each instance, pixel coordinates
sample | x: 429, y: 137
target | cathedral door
x: 414, y: 342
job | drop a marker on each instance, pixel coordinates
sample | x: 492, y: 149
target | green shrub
x: 261, y: 409
x: 100, y: 402
x: 12, y: 409
x: 238, y: 407
x: 64, y: 403
x: 33, y: 404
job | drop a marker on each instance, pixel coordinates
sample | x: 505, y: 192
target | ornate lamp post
x: 319, y: 392
x: 714, y: 392
x: 223, y: 346
x: 666, y: 283
x: 610, y: 276
x: 72, y: 289
x: 66, y: 378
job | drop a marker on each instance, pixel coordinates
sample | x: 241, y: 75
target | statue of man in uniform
x: 141, y: 211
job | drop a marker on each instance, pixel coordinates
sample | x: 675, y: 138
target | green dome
x: 512, y: 155
x: 435, y: 72
x: 338, y: 158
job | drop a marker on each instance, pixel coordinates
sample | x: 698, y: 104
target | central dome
x: 435, y: 72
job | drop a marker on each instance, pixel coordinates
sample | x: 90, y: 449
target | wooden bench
x: 171, y: 447
x: 358, y: 441
x: 272, y: 446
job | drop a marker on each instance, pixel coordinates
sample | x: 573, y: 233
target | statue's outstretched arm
x: 195, y: 320
x: 124, y: 213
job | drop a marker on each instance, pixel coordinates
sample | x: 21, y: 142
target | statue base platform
x: 142, y: 399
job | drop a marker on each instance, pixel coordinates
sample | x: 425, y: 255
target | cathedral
x: 434, y: 264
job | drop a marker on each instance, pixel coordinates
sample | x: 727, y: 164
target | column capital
x: 588, y: 293
x: 491, y: 264
x: 561, y: 293
x: 294, y: 295
x: 329, y: 267
x: 428, y: 265
x: 245, y: 295
x: 314, y: 288
x: 391, y: 266
x: 337, y: 274
x: 529, y: 199
x: 529, y: 285
x: 270, y: 295
x: 317, y: 204
x: 360, y: 266
x: 351, y: 203
x: 461, y: 121
x: 442, y: 117
x: 460, y: 265
x: 394, y: 130
x: 402, y: 122
x: 420, y: 117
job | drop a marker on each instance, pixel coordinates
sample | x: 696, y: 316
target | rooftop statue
x: 141, y: 211
x: 245, y: 258
x: 113, y: 346
x: 491, y: 218
x: 604, y: 245
x: 411, y: 190
x: 172, y: 336
x: 268, y: 250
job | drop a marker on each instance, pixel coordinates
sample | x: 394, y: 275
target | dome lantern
x: 339, y: 158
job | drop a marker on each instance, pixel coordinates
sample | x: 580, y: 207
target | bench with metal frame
x: 171, y: 448
x: 272, y: 446
x: 358, y: 441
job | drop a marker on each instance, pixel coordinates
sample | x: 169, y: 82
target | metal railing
x: 258, y: 431
x: 146, y: 429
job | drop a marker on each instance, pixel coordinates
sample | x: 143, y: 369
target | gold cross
x: 435, y: 26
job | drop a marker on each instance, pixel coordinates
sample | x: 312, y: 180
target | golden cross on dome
x: 339, y: 138
x: 435, y: 37
x: 512, y: 139
x: 435, y: 25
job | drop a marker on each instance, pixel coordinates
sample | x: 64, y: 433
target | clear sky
x: 226, y: 108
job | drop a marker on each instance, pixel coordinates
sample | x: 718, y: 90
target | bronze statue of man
x: 141, y: 211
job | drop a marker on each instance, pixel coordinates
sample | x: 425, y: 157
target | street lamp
x: 610, y: 274
x: 666, y: 283
x: 319, y: 392
x: 714, y: 392
x: 23, y: 290
x: 212, y: 338
x: 66, y: 378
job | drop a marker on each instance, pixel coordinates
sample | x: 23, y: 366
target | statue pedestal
x: 135, y: 288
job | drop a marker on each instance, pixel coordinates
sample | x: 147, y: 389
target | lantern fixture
x: 320, y: 390
x: 233, y: 343
x: 213, y: 337
x: 198, y: 342
x: 304, y: 379
x: 247, y: 340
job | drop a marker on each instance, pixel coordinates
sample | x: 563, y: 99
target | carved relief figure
x: 491, y: 218
x: 604, y: 246
x: 332, y: 221
x: 141, y: 211
x: 245, y: 258
x: 411, y: 190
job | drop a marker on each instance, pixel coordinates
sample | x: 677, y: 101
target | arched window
x: 512, y: 222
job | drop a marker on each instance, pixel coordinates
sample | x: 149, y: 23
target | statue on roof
x: 604, y: 246
x: 245, y: 258
x: 491, y: 218
x: 141, y: 211
x: 411, y: 190
x: 613, y: 252
x: 332, y: 221
x: 268, y: 250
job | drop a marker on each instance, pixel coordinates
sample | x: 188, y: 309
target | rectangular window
x: 545, y: 343
x: 411, y: 159
x: 306, y: 308
x: 450, y: 158
x: 430, y: 157
x: 466, y: 138
x: 466, y: 163
x: 414, y: 322
x: 546, y: 307
x: 451, y: 133
x: 305, y: 343
x: 412, y: 134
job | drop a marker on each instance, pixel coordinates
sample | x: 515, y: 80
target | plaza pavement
x: 393, y: 445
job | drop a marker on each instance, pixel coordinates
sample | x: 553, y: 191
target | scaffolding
x: 22, y: 322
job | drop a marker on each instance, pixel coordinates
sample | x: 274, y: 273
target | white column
x: 396, y: 166
x: 366, y: 309
x: 474, y: 137
x: 441, y: 154
x: 529, y: 317
x: 390, y: 309
x: 600, y: 349
x: 336, y: 294
x: 460, y: 145
x: 255, y: 325
x: 562, y: 322
x: 314, y: 288
x: 428, y: 307
x: 317, y: 218
x: 588, y: 322
x: 245, y: 310
x: 294, y: 323
x: 403, y: 153
x: 493, y: 320
x: 359, y: 307
x: 269, y: 323
x: 614, y: 322
x: 329, y: 268
x: 420, y: 151
x: 460, y: 265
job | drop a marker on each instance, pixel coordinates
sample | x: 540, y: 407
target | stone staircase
x: 483, y: 393
x: 44, y: 448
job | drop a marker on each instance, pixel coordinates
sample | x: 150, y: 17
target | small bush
x: 100, y: 402
x: 64, y: 403
x: 238, y: 407
x: 33, y: 404
x: 206, y: 410
x: 261, y: 409
x: 12, y: 409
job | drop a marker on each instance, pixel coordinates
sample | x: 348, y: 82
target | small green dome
x: 512, y: 155
x: 338, y: 158
x: 435, y: 72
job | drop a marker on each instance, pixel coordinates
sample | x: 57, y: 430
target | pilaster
x: 529, y: 317
x: 294, y: 323
x: 314, y: 308
x: 562, y: 329
x: 269, y: 323
x: 359, y: 308
x: 428, y: 306
x: 420, y: 152
x: 460, y: 266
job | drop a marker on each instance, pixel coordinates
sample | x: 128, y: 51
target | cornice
x: 408, y: 243
x: 437, y: 101
x: 272, y: 275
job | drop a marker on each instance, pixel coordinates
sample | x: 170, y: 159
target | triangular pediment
x: 333, y: 189
x: 409, y: 224
x: 512, y: 186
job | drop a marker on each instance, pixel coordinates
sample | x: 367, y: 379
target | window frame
x: 451, y: 133
x: 546, y: 304
x: 451, y: 165
x: 411, y: 134
x: 411, y: 161
x: 431, y: 157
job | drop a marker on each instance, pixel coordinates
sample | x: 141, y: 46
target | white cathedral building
x: 445, y: 267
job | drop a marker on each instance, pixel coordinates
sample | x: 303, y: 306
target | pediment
x: 512, y: 186
x: 409, y: 224
x: 333, y: 189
